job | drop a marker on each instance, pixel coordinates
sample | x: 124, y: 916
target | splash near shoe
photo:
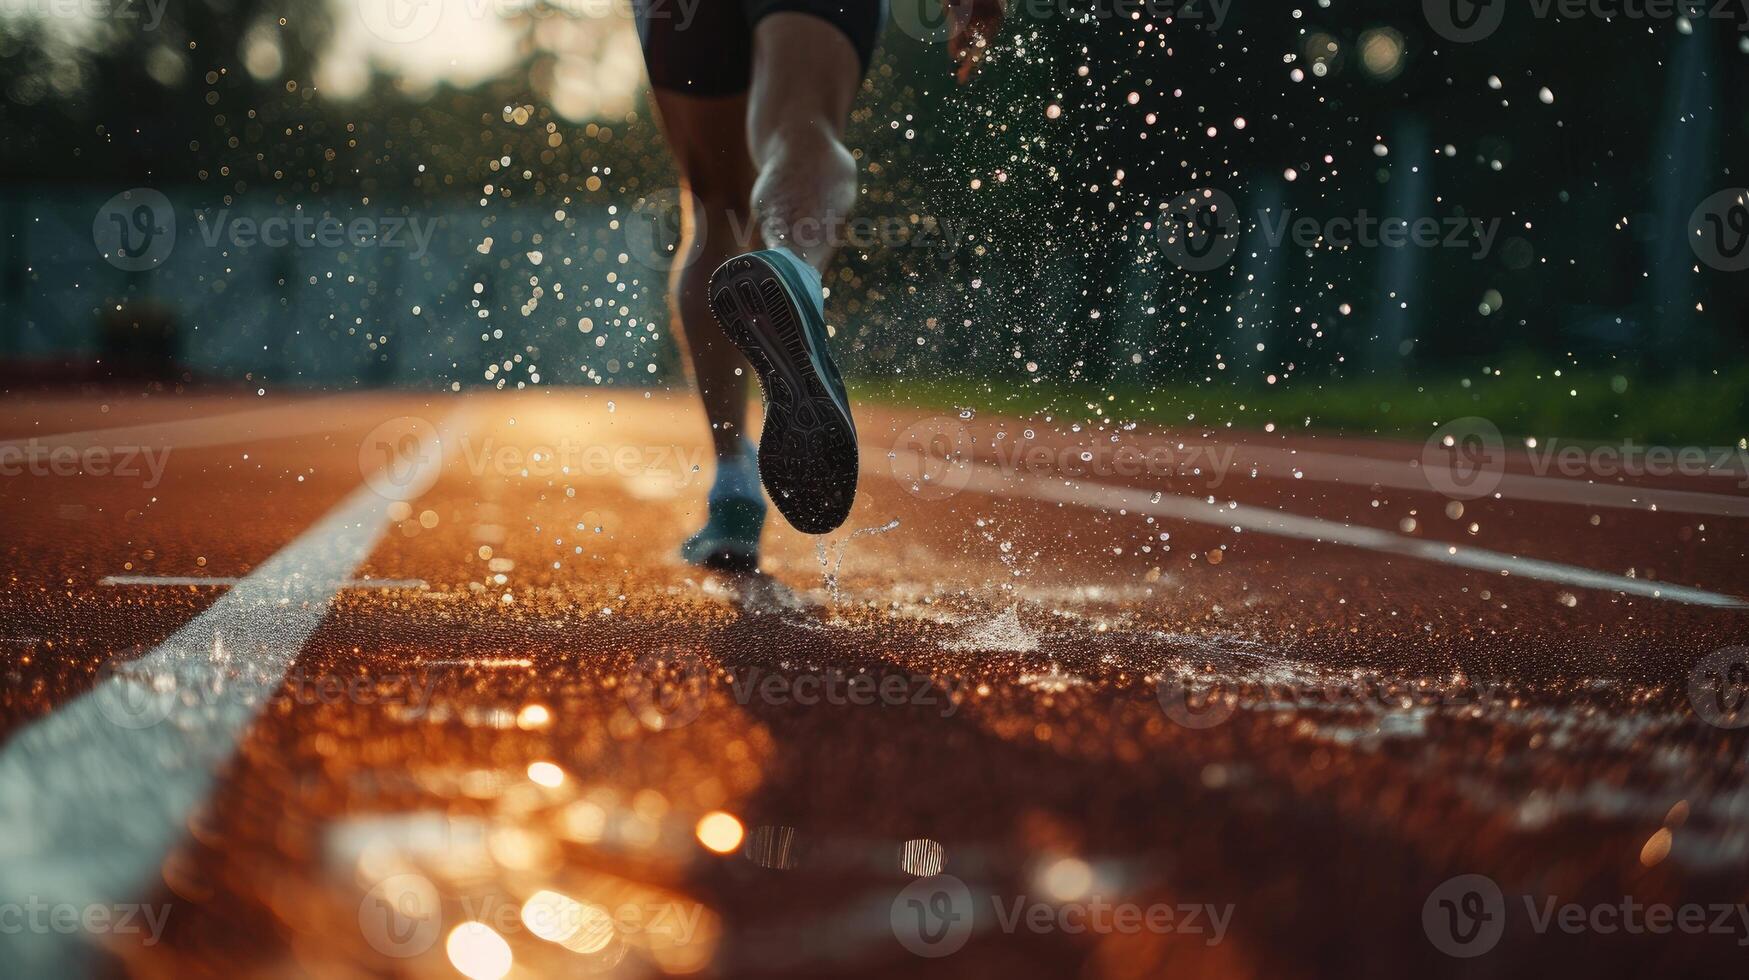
x: 769, y: 305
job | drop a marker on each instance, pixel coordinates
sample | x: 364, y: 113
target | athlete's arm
x: 975, y: 23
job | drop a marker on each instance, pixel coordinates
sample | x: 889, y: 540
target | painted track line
x: 201, y: 581
x: 1322, y: 467
x: 1247, y: 517
x: 95, y: 794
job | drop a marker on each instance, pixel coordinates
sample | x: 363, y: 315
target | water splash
x: 829, y: 570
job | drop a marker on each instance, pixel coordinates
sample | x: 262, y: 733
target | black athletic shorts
x: 705, y: 47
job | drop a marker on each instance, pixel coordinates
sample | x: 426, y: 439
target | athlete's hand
x: 975, y: 23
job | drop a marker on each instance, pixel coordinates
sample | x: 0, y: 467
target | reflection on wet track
x: 457, y: 709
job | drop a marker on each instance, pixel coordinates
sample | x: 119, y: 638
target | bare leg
x: 710, y: 148
x: 805, y: 76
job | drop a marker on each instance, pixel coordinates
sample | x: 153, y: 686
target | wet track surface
x: 435, y: 679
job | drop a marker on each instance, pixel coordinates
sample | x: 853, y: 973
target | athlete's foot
x: 729, y: 539
x: 769, y: 305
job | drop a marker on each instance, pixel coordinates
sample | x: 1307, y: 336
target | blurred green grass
x: 1600, y: 406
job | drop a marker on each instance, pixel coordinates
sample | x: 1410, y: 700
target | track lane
x: 1565, y: 750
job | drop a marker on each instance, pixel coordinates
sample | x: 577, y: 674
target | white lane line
x: 1247, y: 517
x: 1408, y: 475
x: 95, y: 794
x: 217, y: 580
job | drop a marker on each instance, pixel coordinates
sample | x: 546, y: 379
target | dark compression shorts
x: 705, y: 47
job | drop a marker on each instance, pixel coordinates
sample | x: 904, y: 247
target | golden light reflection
x: 719, y: 832
x: 1657, y: 847
x: 580, y: 927
x: 1067, y: 879
x: 546, y: 774
x: 534, y: 718
x: 583, y: 822
x: 477, y: 952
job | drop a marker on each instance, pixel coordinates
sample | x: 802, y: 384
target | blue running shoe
x: 769, y: 305
x: 729, y: 540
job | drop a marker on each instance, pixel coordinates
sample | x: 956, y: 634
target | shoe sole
x: 807, y: 452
